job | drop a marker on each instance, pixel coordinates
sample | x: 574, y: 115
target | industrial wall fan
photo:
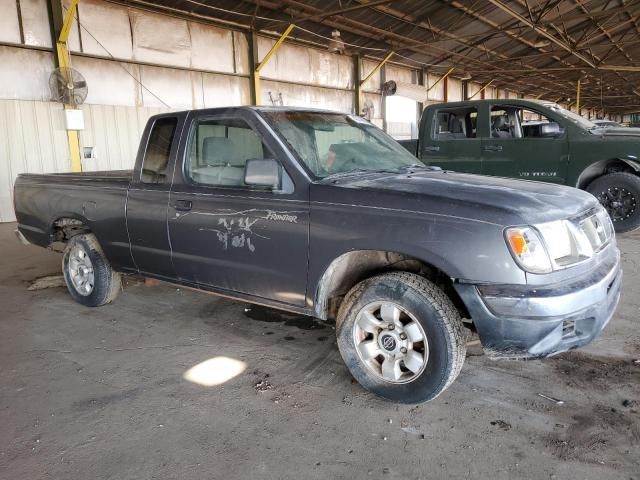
x: 68, y: 86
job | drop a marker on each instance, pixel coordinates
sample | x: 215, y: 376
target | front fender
x: 599, y: 168
x: 462, y: 249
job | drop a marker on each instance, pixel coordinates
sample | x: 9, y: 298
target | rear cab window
x: 158, y: 151
x: 455, y: 124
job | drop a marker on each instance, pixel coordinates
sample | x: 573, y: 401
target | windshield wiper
x: 355, y: 171
x: 419, y: 165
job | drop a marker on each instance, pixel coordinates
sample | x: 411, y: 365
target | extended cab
x: 323, y: 214
x: 536, y: 140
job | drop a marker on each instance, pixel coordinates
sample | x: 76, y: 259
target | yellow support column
x: 64, y: 61
x: 360, y: 84
x: 578, y: 98
x: 443, y: 77
x: 265, y: 60
x: 481, y: 89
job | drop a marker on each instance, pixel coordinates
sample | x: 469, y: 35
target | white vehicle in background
x: 606, y: 123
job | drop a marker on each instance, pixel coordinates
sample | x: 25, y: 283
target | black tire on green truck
x: 619, y: 193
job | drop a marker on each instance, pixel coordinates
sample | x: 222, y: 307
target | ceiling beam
x: 541, y: 31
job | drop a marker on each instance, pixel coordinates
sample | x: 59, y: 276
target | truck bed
x: 98, y: 199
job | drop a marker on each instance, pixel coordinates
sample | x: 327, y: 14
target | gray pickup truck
x: 323, y: 214
x: 536, y: 140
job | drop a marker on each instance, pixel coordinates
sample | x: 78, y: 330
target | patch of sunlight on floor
x: 215, y: 371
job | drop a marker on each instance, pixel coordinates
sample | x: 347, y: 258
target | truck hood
x: 617, y: 132
x: 498, y: 200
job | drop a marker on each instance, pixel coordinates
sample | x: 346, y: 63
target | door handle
x: 493, y: 148
x: 183, y: 205
x: 432, y: 148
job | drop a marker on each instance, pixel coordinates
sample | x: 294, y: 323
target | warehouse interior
x: 141, y: 58
x: 110, y: 392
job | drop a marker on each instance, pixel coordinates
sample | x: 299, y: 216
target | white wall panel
x: 9, y: 27
x: 472, y: 89
x: 241, y: 52
x: 454, y: 89
x: 330, y: 69
x: 107, y: 81
x: 109, y: 24
x: 35, y: 22
x: 373, y: 84
x: 304, y: 96
x: 160, y: 39
x: 295, y: 63
x: 15, y: 84
x: 211, y: 48
x: 115, y: 134
x: 223, y: 91
x: 174, y: 87
x: 399, y: 74
x: 32, y: 140
x: 437, y: 92
x: 289, y: 63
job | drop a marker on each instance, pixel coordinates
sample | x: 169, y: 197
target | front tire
x: 89, y: 277
x: 401, y: 337
x: 619, y: 194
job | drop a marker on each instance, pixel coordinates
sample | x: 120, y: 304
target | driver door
x: 229, y: 236
x: 517, y: 149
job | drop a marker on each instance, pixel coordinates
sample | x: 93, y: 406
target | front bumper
x: 525, y: 321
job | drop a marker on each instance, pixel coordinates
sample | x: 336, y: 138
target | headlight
x: 550, y: 246
x: 527, y: 248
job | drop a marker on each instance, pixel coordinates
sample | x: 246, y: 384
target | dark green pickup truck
x: 536, y: 140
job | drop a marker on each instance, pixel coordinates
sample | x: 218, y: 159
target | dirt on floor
x: 169, y: 383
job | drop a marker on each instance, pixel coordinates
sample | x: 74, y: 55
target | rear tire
x: 401, y: 337
x: 89, y: 277
x: 619, y: 193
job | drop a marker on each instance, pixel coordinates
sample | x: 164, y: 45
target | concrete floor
x: 105, y: 393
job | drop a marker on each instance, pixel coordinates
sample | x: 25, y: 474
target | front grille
x: 598, y: 229
x: 568, y: 328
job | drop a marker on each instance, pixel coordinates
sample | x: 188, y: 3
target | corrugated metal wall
x: 32, y: 139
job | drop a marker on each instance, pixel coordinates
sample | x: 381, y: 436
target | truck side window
x: 156, y: 156
x: 219, y: 149
x: 505, y: 123
x: 532, y: 124
x: 454, y: 124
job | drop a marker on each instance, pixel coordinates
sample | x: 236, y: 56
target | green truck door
x: 449, y: 140
x: 521, y: 144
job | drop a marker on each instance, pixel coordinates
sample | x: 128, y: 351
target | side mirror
x: 263, y: 173
x: 551, y: 129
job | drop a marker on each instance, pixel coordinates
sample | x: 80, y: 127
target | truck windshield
x: 333, y: 143
x: 573, y: 117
